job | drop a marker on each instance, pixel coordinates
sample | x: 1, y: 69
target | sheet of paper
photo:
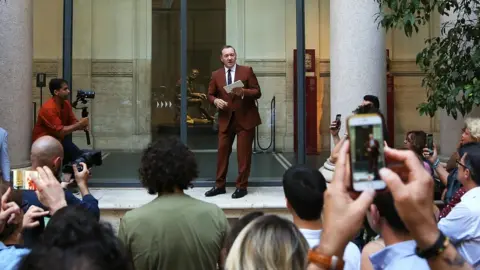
x: 230, y: 87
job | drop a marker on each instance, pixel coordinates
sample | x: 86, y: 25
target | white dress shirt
x: 351, y: 256
x: 231, y: 72
x: 462, y: 226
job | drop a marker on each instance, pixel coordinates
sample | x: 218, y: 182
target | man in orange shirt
x: 56, y: 118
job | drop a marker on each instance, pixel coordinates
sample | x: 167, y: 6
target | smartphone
x: 430, y: 142
x: 338, y: 120
x: 23, y: 179
x: 365, y: 133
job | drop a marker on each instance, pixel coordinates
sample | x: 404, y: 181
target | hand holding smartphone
x: 336, y: 123
x: 367, y: 157
x: 430, y: 143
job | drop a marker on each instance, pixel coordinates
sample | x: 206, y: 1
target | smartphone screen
x: 338, y: 117
x: 366, y: 151
x: 23, y: 179
x: 338, y: 120
x: 430, y: 142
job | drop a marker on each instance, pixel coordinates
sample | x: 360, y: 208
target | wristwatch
x: 438, y: 247
x: 328, y: 262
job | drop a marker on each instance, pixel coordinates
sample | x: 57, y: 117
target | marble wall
x: 113, y: 51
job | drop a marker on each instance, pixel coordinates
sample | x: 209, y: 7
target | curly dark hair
x: 74, y: 239
x: 167, y: 164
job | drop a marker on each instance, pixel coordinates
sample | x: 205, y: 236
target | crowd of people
x: 427, y: 218
x: 176, y: 231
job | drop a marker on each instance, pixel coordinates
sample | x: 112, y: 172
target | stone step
x: 115, y: 202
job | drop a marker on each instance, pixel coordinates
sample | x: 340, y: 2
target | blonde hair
x: 268, y: 243
x: 473, y: 125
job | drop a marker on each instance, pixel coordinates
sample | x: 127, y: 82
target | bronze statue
x: 194, y: 99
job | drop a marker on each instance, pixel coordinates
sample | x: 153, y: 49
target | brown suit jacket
x: 246, y: 111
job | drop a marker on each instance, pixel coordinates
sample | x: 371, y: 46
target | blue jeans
x: 70, y: 150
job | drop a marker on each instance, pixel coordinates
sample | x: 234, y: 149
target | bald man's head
x: 47, y: 151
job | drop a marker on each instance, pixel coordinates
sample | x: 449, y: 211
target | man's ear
x: 57, y: 163
x: 289, y: 207
x: 468, y: 173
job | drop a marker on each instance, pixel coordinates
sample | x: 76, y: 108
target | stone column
x: 357, y: 57
x: 16, y: 57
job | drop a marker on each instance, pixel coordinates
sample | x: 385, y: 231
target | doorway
x: 205, y: 36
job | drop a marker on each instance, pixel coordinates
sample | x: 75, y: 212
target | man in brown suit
x: 237, y: 116
x: 373, y: 151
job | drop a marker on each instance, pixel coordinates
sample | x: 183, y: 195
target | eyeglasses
x: 472, y: 174
x: 459, y: 163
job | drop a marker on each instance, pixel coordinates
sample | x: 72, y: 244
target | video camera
x: 89, y: 157
x: 82, y: 95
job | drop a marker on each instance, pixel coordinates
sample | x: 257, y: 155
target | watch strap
x: 329, y: 262
x: 438, y: 247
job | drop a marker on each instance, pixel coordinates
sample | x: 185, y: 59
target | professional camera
x: 81, y: 94
x: 82, y: 97
x: 89, y: 157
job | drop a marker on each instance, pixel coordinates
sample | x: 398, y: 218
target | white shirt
x: 351, y: 256
x: 462, y: 226
x: 232, y: 72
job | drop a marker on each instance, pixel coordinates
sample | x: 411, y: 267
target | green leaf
x: 454, y: 114
x: 409, y: 19
x: 470, y: 75
x: 408, y: 30
x: 451, y: 61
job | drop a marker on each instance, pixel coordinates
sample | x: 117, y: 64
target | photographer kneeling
x: 56, y: 119
x: 47, y: 151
